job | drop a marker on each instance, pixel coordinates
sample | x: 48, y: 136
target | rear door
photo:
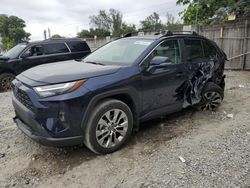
x: 56, y: 51
x: 160, y: 88
x: 79, y: 49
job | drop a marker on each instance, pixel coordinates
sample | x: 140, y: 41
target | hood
x: 4, y: 58
x: 66, y: 71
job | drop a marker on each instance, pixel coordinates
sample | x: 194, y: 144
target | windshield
x: 15, y: 51
x: 119, y: 52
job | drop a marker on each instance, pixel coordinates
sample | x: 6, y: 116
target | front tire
x: 5, y: 81
x: 109, y: 127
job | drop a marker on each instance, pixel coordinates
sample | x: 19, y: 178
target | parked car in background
x: 29, y: 54
x: 101, y: 100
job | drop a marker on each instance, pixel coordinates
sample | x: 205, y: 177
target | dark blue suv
x: 102, y: 99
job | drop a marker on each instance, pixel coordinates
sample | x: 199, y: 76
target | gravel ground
x: 185, y: 149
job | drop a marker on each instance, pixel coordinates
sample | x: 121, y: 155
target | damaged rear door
x: 160, y: 85
x: 200, y: 69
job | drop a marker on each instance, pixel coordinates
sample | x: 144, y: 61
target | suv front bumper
x: 47, y: 141
x: 35, y: 124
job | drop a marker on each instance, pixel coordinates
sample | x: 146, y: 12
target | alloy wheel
x: 211, y: 101
x: 112, y: 128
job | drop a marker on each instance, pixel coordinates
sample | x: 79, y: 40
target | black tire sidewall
x: 90, y: 132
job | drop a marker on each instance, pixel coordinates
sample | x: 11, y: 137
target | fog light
x: 62, y: 116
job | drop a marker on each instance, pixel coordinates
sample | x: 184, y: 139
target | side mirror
x: 158, y: 62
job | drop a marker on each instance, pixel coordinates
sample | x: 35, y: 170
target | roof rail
x: 187, y: 32
x: 166, y: 33
x: 137, y: 33
x: 169, y: 33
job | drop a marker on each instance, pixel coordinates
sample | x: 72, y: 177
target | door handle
x: 179, y: 74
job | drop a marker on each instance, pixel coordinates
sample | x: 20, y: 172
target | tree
x: 93, y: 32
x: 128, y: 28
x: 111, y: 21
x: 171, y: 24
x: 99, y: 32
x: 152, y: 22
x: 84, y: 34
x: 170, y: 19
x: 101, y: 21
x: 209, y: 11
x: 116, y: 19
x: 56, y: 36
x: 12, y: 31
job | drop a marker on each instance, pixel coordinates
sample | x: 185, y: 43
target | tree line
x: 110, y: 23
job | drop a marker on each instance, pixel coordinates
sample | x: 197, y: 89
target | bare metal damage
x: 191, y: 90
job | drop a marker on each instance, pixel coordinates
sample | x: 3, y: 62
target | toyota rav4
x: 102, y: 99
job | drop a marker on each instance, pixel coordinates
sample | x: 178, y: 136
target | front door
x: 160, y: 88
x: 32, y: 57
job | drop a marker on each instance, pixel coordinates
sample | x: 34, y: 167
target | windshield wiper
x: 93, y: 62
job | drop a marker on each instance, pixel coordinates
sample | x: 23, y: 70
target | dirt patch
x: 214, y: 146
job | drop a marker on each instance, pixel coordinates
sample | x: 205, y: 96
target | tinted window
x: 36, y: 50
x: 193, y: 49
x: 209, y: 49
x: 77, y: 46
x: 55, y: 48
x: 169, y: 48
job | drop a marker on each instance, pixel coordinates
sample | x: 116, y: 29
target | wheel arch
x: 126, y: 95
x: 2, y: 71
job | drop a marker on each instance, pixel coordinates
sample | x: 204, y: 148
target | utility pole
x: 49, y: 34
x: 45, y: 34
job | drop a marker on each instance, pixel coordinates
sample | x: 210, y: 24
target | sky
x: 67, y: 17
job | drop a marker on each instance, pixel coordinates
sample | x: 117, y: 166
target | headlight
x: 58, y: 89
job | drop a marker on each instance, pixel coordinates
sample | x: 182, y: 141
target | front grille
x: 23, y: 98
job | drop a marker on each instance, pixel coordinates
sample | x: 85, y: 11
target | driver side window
x: 36, y: 50
x: 168, y: 48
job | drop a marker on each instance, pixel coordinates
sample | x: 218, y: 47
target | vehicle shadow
x: 155, y: 132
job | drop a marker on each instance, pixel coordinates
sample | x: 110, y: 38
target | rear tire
x: 109, y: 127
x: 212, y: 97
x: 6, y: 81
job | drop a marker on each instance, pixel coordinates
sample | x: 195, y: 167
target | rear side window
x: 193, y: 49
x: 209, y: 50
x: 78, y: 46
x: 55, y: 48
